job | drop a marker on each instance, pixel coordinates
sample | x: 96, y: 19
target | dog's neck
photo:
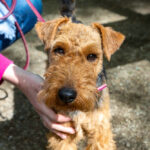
x: 101, y: 79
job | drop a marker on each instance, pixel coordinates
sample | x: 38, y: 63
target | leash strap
x: 39, y: 17
x: 4, y: 93
x: 19, y: 29
x: 11, y: 9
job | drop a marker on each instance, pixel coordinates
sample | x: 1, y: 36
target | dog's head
x: 75, y: 54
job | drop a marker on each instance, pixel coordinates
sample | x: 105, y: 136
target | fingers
x: 53, y: 121
x: 61, y: 135
x: 57, y: 128
x: 42, y: 108
x: 61, y: 128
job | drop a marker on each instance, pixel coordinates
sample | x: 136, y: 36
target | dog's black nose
x: 67, y: 95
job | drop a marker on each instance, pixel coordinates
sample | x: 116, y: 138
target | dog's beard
x: 56, y: 78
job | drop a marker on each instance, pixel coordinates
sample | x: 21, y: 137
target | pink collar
x: 102, y: 87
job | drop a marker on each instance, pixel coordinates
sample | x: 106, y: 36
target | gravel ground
x: 128, y: 77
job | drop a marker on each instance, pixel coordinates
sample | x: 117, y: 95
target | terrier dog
x: 75, y: 70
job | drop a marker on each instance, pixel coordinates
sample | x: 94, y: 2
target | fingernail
x: 67, y: 118
x: 72, y: 131
x: 63, y: 118
x: 64, y: 137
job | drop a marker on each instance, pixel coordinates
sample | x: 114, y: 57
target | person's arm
x: 30, y: 85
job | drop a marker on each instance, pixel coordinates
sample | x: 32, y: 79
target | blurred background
x: 128, y: 75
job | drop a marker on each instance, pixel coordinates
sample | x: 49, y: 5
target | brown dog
x: 75, y: 54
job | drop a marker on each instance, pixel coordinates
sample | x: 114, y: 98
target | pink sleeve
x: 4, y: 63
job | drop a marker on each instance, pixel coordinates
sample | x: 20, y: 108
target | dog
x: 74, y: 72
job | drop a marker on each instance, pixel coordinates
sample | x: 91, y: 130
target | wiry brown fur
x: 74, y: 70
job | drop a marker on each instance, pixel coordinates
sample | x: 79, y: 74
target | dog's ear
x: 47, y: 30
x: 111, y: 40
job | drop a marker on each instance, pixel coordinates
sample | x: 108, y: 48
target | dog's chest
x: 85, y: 122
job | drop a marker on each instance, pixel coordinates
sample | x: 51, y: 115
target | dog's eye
x: 59, y: 50
x: 91, y: 57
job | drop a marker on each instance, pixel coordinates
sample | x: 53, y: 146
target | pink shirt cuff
x: 4, y: 63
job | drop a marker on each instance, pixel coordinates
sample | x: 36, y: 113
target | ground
x: 128, y: 76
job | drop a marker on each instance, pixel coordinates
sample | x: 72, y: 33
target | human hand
x: 30, y: 85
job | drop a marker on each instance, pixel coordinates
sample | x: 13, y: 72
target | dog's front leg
x: 98, y: 141
x: 98, y: 132
x: 55, y: 143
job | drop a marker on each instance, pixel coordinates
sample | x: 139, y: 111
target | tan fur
x: 111, y: 39
x: 72, y: 69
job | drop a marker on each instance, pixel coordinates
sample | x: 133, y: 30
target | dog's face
x: 75, y: 60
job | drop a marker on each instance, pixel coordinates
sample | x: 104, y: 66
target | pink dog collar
x: 102, y: 87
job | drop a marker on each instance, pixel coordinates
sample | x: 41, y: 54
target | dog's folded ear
x: 111, y: 40
x: 47, y: 30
